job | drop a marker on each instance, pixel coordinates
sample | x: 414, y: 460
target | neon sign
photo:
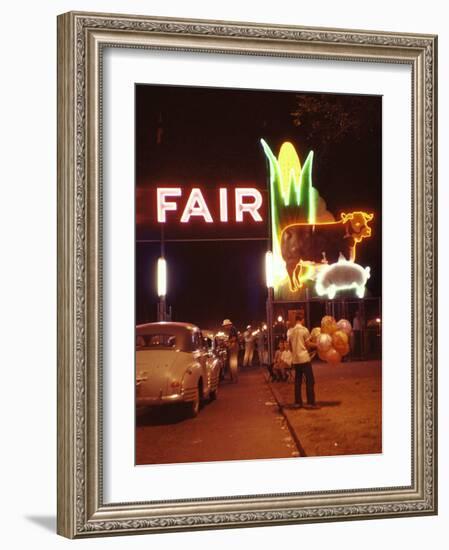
x: 321, y: 243
x: 196, y: 206
x: 247, y: 200
x: 163, y: 205
x: 342, y: 275
x: 306, y: 237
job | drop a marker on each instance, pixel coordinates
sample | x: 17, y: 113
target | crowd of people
x: 293, y: 353
x: 250, y: 347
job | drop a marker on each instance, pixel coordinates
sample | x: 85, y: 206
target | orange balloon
x: 315, y: 334
x: 322, y: 355
x: 340, y: 341
x: 328, y: 324
x: 332, y: 356
x: 342, y: 348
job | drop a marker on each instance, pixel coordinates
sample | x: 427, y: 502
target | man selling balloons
x: 301, y: 344
x: 332, y: 339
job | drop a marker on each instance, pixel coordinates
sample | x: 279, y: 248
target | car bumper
x: 145, y: 401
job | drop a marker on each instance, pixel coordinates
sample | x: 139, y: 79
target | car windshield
x: 155, y: 341
x: 208, y: 342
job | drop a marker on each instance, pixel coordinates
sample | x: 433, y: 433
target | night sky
x: 210, y: 138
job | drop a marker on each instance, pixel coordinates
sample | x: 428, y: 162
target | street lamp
x: 161, y: 288
x: 161, y: 277
x: 269, y: 276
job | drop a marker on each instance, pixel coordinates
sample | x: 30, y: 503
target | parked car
x: 173, y: 365
x: 214, y: 349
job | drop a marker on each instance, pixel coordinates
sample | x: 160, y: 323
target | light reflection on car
x: 174, y: 364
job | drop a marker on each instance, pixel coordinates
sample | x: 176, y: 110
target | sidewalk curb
x: 285, y: 414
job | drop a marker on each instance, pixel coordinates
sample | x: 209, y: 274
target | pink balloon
x: 345, y: 326
x: 332, y: 356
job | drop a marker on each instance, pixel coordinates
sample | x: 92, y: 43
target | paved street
x: 243, y: 423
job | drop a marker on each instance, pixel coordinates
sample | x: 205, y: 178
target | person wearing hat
x: 249, y: 347
x: 233, y: 348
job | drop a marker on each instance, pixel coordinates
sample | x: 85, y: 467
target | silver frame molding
x: 81, y: 39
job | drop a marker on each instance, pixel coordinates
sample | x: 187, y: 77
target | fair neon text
x: 247, y: 203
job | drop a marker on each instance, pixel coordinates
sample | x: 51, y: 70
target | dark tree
x: 328, y: 119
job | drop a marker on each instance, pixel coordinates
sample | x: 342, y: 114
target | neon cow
x: 308, y: 248
x: 342, y: 275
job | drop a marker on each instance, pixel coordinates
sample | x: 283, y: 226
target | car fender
x: 192, y: 376
x: 214, y: 366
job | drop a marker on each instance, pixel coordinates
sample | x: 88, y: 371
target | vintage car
x: 174, y: 365
x: 212, y: 344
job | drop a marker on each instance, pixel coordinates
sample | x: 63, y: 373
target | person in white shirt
x: 300, y: 344
x: 282, y: 361
x: 261, y: 347
x: 286, y: 360
x: 249, y: 347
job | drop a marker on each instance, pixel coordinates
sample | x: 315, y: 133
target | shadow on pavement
x: 160, y: 416
x: 328, y: 403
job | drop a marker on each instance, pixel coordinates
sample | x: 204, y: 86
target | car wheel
x: 194, y: 406
x: 214, y: 393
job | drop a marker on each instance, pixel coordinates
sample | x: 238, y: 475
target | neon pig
x: 342, y: 275
x: 247, y: 200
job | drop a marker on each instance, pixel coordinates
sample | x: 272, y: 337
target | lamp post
x: 269, y: 278
x: 161, y: 288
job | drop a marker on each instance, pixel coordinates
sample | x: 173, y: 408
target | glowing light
x: 264, y: 326
x: 269, y: 269
x: 161, y: 277
x: 291, y: 186
x: 280, y: 319
x: 304, y: 271
x: 223, y: 205
x: 350, y: 231
x: 163, y: 205
x: 310, y: 194
x: 248, y: 200
x: 297, y: 207
x: 342, y: 275
x: 291, y: 198
x: 251, y: 207
x: 290, y: 171
x: 196, y: 206
x: 378, y: 320
x: 359, y: 224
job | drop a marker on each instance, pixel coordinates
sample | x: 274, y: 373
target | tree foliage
x: 326, y: 119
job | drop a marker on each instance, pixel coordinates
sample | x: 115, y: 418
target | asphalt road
x: 243, y: 423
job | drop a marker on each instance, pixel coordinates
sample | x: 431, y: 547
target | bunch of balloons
x: 332, y: 338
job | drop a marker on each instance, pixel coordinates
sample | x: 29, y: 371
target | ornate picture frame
x: 82, y: 39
